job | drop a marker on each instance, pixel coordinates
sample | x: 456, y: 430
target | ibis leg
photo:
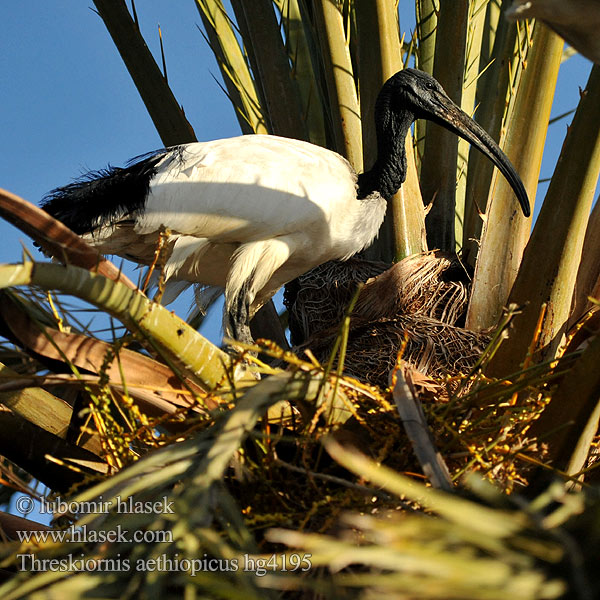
x: 237, y: 317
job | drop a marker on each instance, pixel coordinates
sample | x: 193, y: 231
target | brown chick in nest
x: 416, y: 303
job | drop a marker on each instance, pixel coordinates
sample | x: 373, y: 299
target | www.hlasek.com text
x: 82, y: 535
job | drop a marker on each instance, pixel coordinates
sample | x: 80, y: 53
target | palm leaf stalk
x: 426, y: 12
x: 164, y: 330
x: 495, y: 94
x: 474, y: 57
x: 506, y: 232
x: 440, y: 152
x: 404, y: 226
x: 558, y: 235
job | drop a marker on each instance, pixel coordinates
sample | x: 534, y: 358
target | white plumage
x: 247, y: 205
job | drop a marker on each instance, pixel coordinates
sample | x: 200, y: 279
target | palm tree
x: 499, y: 368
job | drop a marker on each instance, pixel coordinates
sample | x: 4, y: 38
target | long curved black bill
x: 445, y: 113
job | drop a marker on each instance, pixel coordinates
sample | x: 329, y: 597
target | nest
x: 432, y: 347
x: 414, y: 309
x: 416, y: 306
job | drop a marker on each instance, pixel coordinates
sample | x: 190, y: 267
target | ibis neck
x: 389, y: 171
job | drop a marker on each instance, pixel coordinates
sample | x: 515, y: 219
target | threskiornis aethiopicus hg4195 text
x: 251, y: 213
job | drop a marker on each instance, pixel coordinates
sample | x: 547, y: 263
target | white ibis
x: 577, y: 21
x: 254, y: 212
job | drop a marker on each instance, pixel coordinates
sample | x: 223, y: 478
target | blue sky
x: 68, y: 104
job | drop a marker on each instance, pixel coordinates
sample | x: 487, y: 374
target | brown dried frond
x: 418, y: 284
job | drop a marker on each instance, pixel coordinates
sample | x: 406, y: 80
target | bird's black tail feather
x: 105, y: 196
